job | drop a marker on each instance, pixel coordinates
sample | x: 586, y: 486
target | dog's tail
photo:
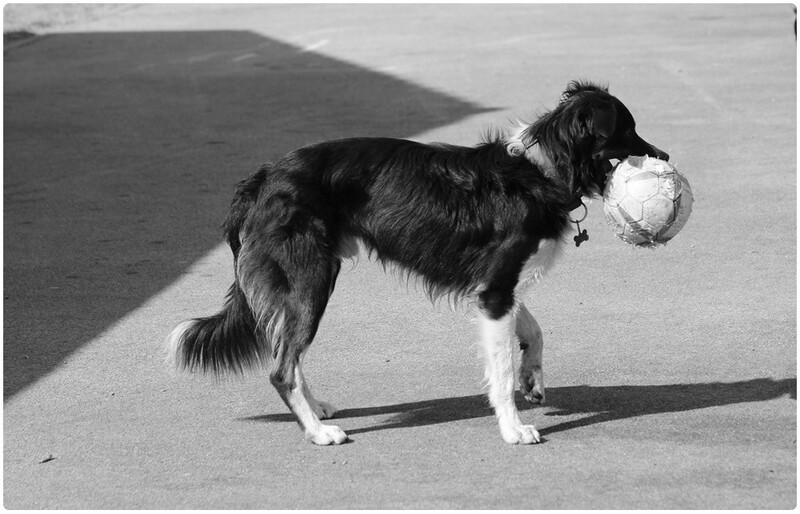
x: 229, y: 340
x: 225, y: 342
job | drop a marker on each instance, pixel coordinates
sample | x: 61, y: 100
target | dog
x: 480, y: 223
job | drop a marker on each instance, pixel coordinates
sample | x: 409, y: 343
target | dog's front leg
x: 531, y: 376
x: 498, y: 339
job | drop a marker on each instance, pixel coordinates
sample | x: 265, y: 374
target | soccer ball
x: 646, y: 201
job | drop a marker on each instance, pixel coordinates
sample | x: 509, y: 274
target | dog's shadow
x: 603, y: 403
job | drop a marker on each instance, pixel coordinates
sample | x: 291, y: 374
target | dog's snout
x: 659, y: 154
x: 641, y: 147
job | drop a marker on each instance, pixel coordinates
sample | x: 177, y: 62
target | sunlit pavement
x: 671, y: 374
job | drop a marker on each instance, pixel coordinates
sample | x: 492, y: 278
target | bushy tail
x: 224, y: 342
x: 227, y: 341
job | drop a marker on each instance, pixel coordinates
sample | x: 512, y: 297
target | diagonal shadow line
x: 603, y: 404
x: 122, y: 151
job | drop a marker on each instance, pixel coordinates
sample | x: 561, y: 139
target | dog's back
x: 442, y: 212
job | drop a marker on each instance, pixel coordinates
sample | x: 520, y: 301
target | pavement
x: 671, y: 374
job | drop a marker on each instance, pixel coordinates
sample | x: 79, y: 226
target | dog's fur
x: 481, y: 222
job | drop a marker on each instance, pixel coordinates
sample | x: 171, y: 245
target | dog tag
x: 582, y: 235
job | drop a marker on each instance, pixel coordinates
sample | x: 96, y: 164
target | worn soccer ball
x: 646, y: 201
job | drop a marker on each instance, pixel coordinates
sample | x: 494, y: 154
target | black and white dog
x: 481, y: 223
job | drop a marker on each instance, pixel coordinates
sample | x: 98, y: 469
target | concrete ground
x: 671, y: 374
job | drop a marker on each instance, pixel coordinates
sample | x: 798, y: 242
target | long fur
x: 468, y: 221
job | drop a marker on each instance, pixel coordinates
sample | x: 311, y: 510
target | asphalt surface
x: 671, y: 374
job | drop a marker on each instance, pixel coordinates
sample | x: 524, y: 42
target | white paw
x: 325, y: 410
x: 326, y: 435
x: 519, y: 434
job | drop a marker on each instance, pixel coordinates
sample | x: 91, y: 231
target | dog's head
x: 585, y: 134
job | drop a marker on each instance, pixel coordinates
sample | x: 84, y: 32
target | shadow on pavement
x: 604, y: 403
x: 622, y: 402
x: 122, y: 151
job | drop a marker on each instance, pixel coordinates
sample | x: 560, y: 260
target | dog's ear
x: 592, y: 121
x: 602, y: 121
x: 593, y: 114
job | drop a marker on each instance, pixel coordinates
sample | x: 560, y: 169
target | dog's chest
x: 538, y: 263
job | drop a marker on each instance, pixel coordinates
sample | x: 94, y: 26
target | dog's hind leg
x: 287, y: 376
x: 531, y: 376
x: 323, y: 410
x: 497, y: 328
x: 303, y: 309
x: 287, y: 284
